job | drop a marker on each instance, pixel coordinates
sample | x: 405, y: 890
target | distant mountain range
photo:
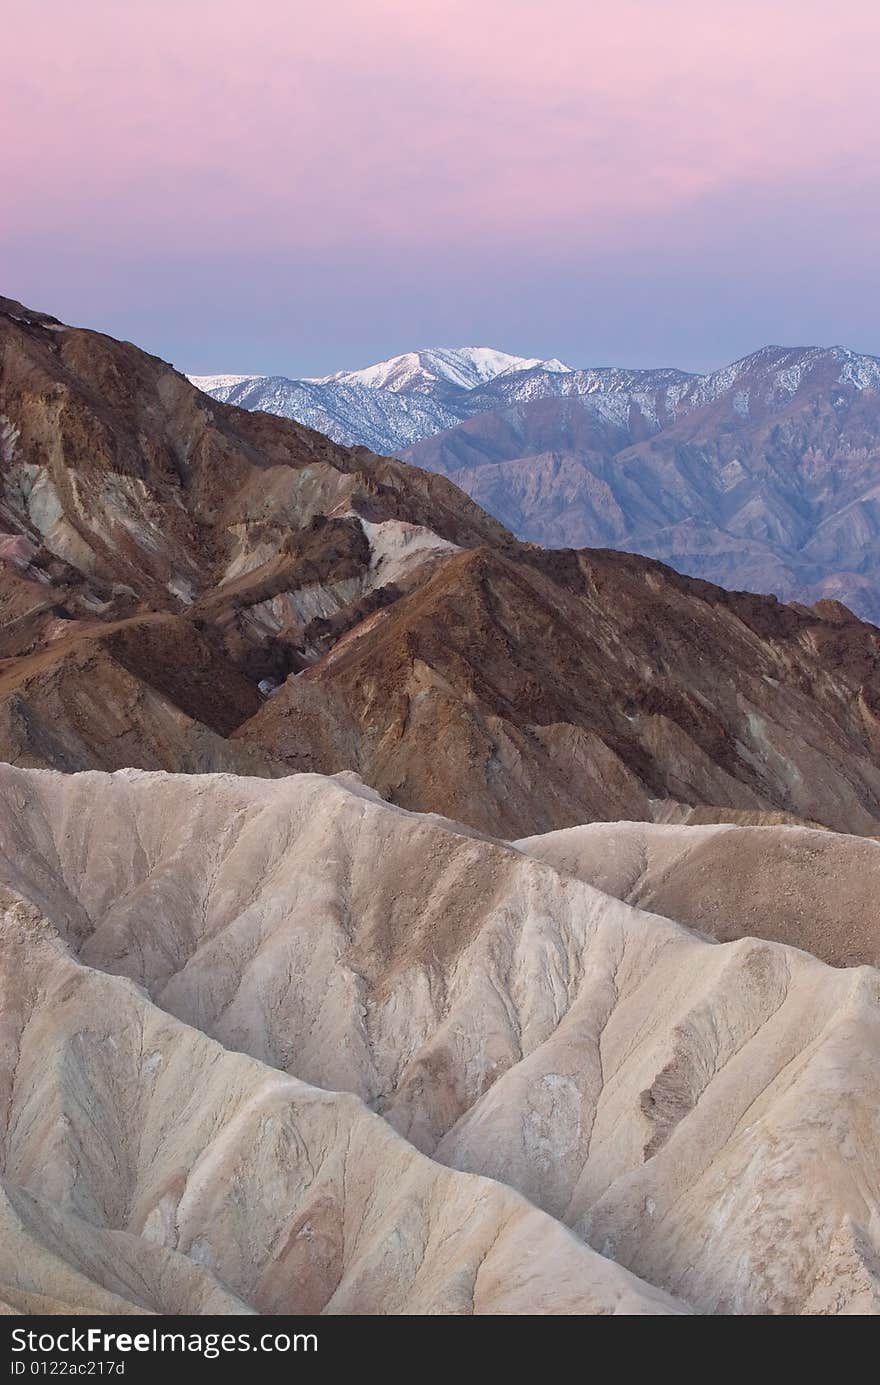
x: 439, y: 942
x: 394, y: 403
x: 764, y: 475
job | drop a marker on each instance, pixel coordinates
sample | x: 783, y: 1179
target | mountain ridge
x: 189, y: 585
x: 435, y: 943
x: 762, y: 474
x: 715, y: 474
x: 418, y: 372
x: 350, y: 1059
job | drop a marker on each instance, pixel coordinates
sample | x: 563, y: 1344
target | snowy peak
x: 213, y: 384
x: 397, y: 403
x: 780, y: 371
x: 460, y: 368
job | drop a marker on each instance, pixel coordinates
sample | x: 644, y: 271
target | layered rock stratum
x: 280, y: 1046
x: 760, y: 475
x: 165, y: 556
x: 396, y: 917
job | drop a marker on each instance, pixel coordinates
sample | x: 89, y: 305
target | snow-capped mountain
x: 393, y: 403
x: 397, y: 402
x: 764, y: 474
x: 424, y: 372
x: 776, y: 373
x: 383, y: 420
x: 217, y: 384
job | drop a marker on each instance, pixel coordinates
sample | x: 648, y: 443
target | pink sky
x: 297, y: 187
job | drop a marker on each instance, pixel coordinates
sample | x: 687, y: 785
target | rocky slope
x: 398, y: 402
x: 217, y: 1185
x: 706, y: 1115
x: 761, y: 476
x: 160, y: 555
x: 813, y: 889
x: 392, y: 403
x: 164, y: 557
x: 277, y: 1042
x: 566, y: 687
x: 349, y: 413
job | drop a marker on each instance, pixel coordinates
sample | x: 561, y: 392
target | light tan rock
x: 706, y: 1114
x: 147, y: 1169
x: 814, y: 889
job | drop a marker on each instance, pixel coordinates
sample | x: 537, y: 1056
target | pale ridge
x: 673, y: 1101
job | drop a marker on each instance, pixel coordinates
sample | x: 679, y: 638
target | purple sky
x: 297, y: 188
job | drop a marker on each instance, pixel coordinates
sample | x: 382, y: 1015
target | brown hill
x: 163, y: 553
x: 762, y: 475
x: 566, y: 686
